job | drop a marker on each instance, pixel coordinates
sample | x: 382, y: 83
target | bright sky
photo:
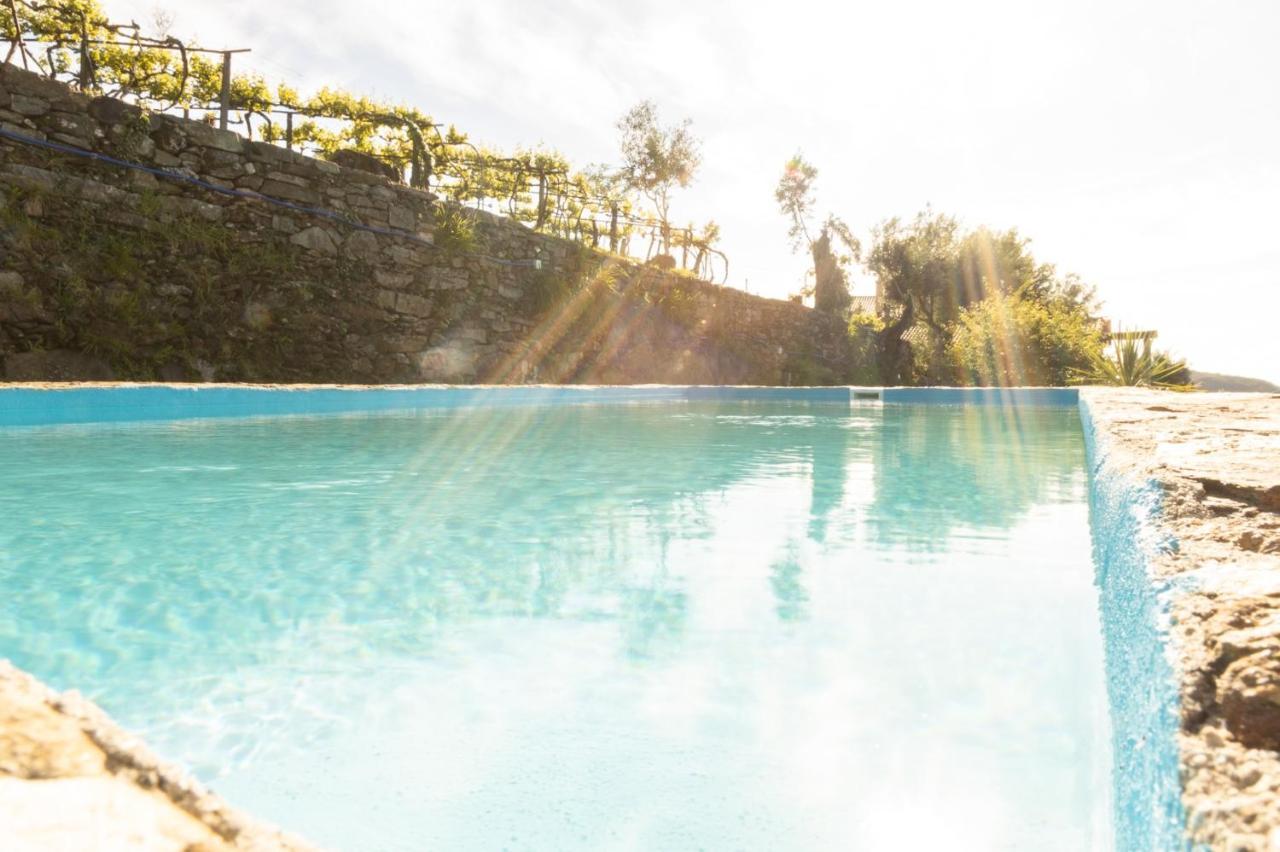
x: 1136, y: 143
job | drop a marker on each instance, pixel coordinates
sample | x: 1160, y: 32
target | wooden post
x: 288, y: 130
x: 613, y: 227
x: 542, y: 199
x: 86, y: 61
x: 224, y: 99
x: 17, y: 36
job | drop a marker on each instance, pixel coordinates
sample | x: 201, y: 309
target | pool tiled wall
x: 29, y: 406
x: 1141, y: 686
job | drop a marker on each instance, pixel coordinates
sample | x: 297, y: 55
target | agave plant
x: 1131, y: 362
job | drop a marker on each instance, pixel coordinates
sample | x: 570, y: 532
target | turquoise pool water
x: 717, y: 625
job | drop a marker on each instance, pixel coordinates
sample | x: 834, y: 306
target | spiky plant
x: 1129, y: 362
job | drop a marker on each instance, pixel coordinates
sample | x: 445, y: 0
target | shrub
x: 864, y: 331
x: 454, y: 230
x: 1008, y: 340
x: 865, y: 322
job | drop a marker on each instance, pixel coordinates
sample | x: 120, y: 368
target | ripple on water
x: 716, y: 625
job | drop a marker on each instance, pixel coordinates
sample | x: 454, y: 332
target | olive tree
x: 657, y: 158
x: 795, y: 197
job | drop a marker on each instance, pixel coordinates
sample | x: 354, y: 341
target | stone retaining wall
x: 107, y: 271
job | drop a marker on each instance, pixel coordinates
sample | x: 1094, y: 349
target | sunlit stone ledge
x: 1213, y: 462
x: 70, y: 778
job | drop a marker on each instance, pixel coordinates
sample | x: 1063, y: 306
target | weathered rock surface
x: 70, y: 779
x: 60, y: 365
x: 361, y: 161
x: 1216, y: 458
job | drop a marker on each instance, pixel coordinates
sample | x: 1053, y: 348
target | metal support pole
x: 613, y: 227
x: 224, y: 99
x: 288, y: 130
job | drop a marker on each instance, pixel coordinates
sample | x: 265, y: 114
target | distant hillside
x: 1219, y: 382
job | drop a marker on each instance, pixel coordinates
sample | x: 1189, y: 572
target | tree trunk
x: 830, y: 289
x: 895, y: 352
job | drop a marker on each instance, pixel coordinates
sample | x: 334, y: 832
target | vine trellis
x: 73, y: 42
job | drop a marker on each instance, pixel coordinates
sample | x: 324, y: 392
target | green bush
x: 865, y: 322
x: 1009, y: 341
x: 455, y: 230
x: 551, y: 287
x: 864, y: 335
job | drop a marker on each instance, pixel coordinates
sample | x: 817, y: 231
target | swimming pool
x: 698, y: 623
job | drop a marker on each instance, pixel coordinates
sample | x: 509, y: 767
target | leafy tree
x: 795, y: 197
x: 915, y: 267
x: 830, y: 278
x: 929, y: 272
x: 657, y: 159
x: 1001, y: 263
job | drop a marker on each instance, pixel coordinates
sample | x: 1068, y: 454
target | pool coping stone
x: 1203, y: 474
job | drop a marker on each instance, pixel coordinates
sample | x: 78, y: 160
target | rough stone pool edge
x: 70, y: 777
x: 1204, y: 471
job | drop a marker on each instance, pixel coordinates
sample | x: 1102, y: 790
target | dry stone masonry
x: 236, y: 260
